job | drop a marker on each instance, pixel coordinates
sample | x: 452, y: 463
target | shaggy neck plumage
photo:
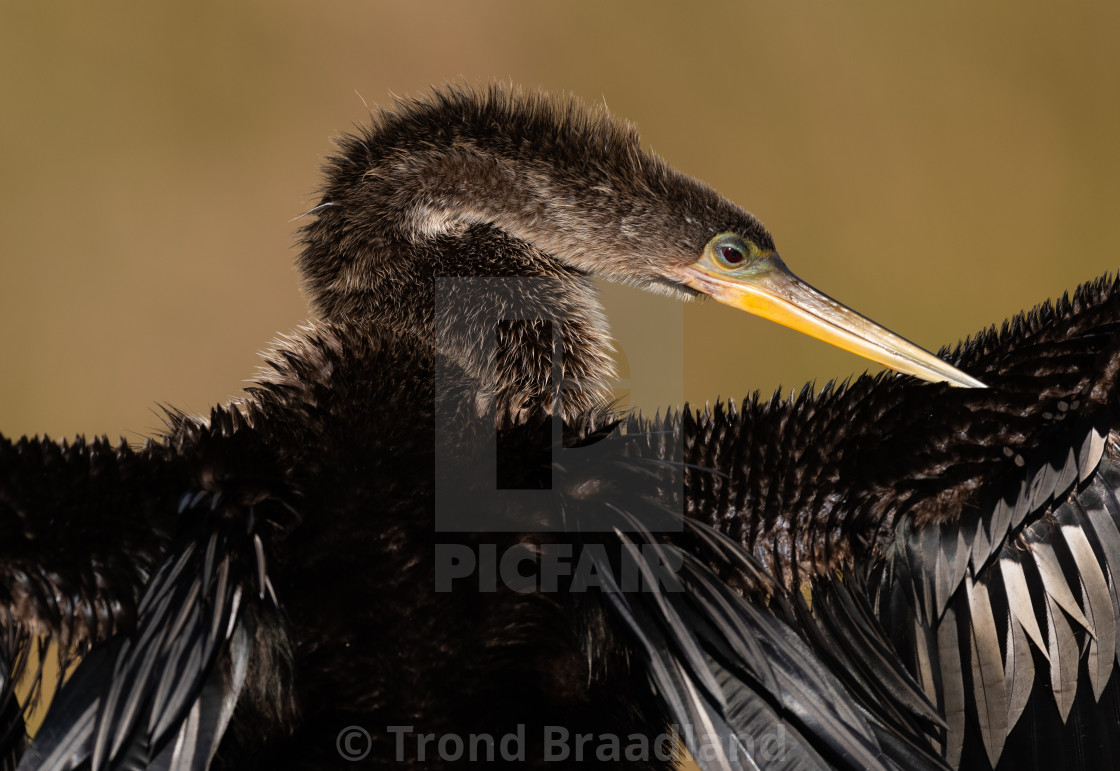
x: 469, y: 185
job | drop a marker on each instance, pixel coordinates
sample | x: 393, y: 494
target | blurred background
x: 938, y: 167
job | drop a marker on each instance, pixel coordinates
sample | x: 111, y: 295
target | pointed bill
x: 767, y: 288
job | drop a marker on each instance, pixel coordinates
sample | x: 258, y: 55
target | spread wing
x: 153, y: 566
x: 79, y: 537
x: 709, y: 625
x: 1005, y: 604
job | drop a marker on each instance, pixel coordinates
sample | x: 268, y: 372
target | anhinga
x: 887, y: 574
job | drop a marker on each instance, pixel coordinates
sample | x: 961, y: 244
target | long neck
x: 456, y: 249
x: 494, y: 185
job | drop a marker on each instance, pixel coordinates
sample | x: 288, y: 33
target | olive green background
x: 937, y: 166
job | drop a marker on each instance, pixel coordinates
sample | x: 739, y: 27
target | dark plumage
x: 845, y: 567
x: 972, y: 521
x: 494, y: 185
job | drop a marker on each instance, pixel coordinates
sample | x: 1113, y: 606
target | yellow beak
x: 767, y: 288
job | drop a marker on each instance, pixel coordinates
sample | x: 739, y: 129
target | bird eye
x: 729, y: 251
x: 730, y: 254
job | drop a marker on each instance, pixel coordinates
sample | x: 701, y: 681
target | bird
x: 460, y: 187
x: 249, y: 586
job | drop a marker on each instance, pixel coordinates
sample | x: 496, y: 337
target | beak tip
x: 971, y: 382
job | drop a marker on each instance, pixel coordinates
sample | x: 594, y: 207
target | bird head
x: 504, y: 184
